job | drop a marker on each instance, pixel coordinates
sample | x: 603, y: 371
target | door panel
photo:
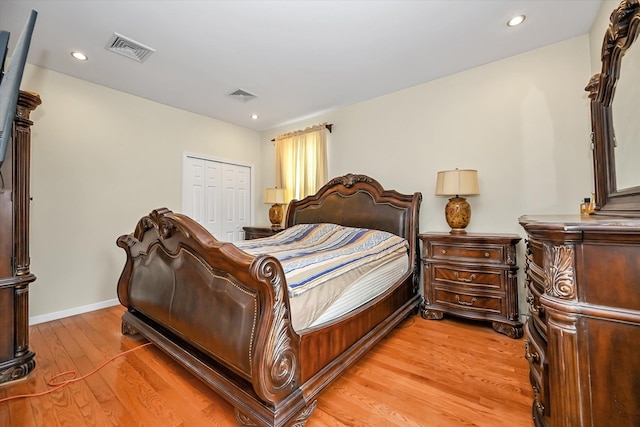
x: 194, y: 188
x: 212, y: 199
x: 217, y: 195
x: 237, y: 185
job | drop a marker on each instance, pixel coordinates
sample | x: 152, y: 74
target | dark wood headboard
x: 360, y: 201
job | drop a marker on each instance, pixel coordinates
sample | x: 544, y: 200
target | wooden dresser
x: 16, y: 360
x: 583, y: 336
x: 472, y: 276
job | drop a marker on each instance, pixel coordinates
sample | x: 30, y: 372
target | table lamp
x: 276, y: 198
x: 457, y: 183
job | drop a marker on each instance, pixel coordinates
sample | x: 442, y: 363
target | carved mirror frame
x: 622, y: 32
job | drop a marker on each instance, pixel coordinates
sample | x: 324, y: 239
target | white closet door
x: 237, y: 185
x: 193, y: 189
x: 217, y: 195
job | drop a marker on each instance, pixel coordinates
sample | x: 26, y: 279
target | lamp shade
x: 457, y: 182
x: 274, y: 196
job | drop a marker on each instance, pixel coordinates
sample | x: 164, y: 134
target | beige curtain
x: 301, y: 161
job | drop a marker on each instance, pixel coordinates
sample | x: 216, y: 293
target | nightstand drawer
x: 482, y: 254
x: 258, y: 232
x: 472, y: 278
x: 469, y: 302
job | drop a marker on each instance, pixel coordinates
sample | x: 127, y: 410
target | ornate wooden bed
x: 224, y: 314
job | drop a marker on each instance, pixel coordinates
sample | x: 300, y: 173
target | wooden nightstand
x: 257, y: 232
x: 472, y: 276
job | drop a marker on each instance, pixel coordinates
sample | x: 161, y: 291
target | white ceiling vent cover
x: 129, y: 48
x: 242, y: 95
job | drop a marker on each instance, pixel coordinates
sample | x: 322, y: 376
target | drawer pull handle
x: 532, y: 307
x: 467, y: 303
x: 532, y: 357
x: 535, y: 310
x: 465, y: 279
x: 536, y: 401
x: 444, y: 252
x: 487, y: 254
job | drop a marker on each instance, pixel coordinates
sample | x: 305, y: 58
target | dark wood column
x: 16, y: 360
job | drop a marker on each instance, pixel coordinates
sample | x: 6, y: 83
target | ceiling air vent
x: 242, y: 95
x: 129, y: 48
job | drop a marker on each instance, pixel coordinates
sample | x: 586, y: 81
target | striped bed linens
x: 328, y: 263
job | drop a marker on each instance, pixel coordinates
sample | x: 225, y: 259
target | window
x: 301, y: 161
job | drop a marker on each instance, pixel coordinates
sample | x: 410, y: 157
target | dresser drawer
x: 611, y: 276
x: 481, y: 279
x: 469, y: 253
x: 535, y: 350
x: 535, y: 252
x: 536, y: 278
x: 468, y: 301
x: 535, y: 353
x: 536, y: 310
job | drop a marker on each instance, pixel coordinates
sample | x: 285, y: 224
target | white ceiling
x: 299, y: 57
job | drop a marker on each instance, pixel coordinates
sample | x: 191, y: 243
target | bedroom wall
x: 101, y: 159
x: 522, y: 122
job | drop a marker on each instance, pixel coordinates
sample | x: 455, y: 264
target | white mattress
x: 361, y: 291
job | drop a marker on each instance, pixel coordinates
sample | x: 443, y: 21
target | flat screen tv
x: 4, y: 46
x: 10, y: 80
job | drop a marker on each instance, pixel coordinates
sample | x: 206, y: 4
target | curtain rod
x: 328, y: 126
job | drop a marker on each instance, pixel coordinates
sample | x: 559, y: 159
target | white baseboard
x: 72, y: 311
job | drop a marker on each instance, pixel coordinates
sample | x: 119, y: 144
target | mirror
x: 615, y: 129
x: 626, y: 125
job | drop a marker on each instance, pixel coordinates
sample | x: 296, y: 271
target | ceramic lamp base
x: 276, y: 216
x: 458, y: 214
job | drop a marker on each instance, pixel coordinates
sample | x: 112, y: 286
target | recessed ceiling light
x: 79, y: 56
x: 516, y: 20
x: 255, y: 116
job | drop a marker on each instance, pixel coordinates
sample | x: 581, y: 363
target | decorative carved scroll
x: 278, y: 374
x: 298, y: 421
x: 511, y: 255
x: 619, y: 24
x: 349, y: 180
x: 156, y: 219
x: 617, y: 40
x: 243, y: 418
x: 16, y: 372
x: 559, y: 271
x: 593, y: 86
x: 301, y: 419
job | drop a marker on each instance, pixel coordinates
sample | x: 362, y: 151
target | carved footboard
x: 219, y: 311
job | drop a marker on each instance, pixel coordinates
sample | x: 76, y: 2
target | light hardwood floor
x: 425, y: 373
